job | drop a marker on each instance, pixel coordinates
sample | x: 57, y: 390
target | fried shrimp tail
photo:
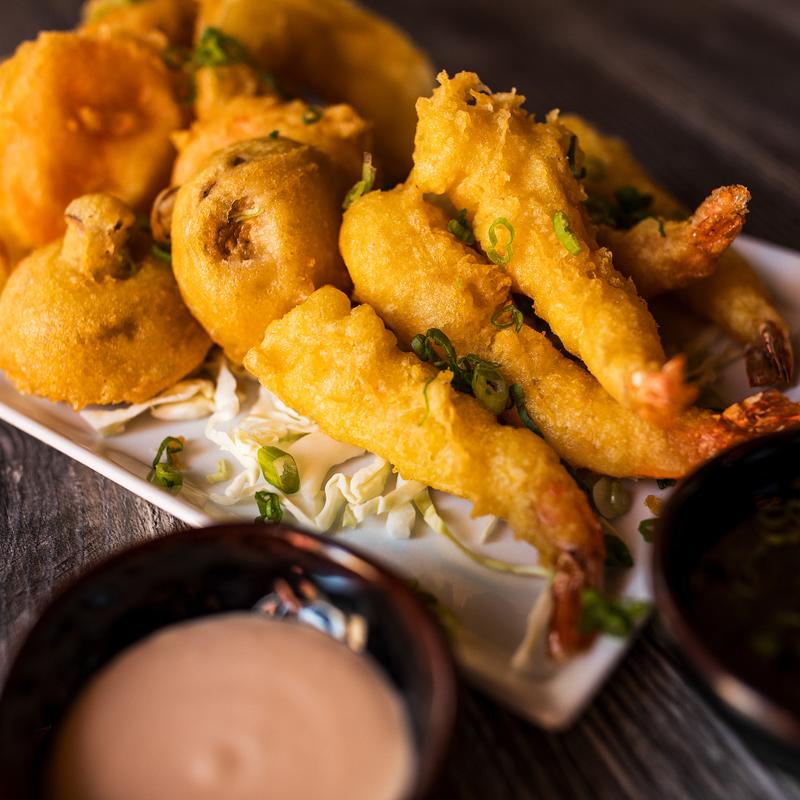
x: 374, y: 396
x: 736, y: 300
x: 732, y: 297
x: 448, y: 285
x: 664, y: 255
x: 513, y: 176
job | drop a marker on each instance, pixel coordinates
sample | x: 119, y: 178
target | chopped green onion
x: 595, y: 167
x: 363, y: 186
x: 279, y: 469
x: 142, y: 222
x: 601, y: 210
x: 617, y: 553
x: 269, y: 507
x: 274, y: 134
x: 292, y: 436
x: 647, y: 527
x: 162, y: 252
x: 611, y: 498
x: 515, y: 319
x: 494, y: 256
x: 661, y: 230
x: 168, y: 474
x: 517, y: 395
x: 573, y: 168
x: 222, y: 474
x: 565, y: 233
x: 427, y: 402
x: 490, y: 387
x: 607, y: 615
x: 217, y: 49
x: 461, y: 229
x: 311, y: 115
x: 665, y: 483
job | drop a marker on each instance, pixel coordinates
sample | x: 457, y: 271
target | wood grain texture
x: 707, y: 91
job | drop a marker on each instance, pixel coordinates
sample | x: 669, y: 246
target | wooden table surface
x: 708, y: 92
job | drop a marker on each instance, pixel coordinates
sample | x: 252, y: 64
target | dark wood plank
x: 705, y: 89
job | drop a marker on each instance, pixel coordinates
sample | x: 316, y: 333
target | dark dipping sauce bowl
x: 201, y: 572
x: 727, y: 586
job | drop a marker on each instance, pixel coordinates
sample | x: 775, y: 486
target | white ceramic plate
x: 491, y: 608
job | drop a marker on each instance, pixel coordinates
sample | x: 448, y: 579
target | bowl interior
x: 703, y: 509
x: 196, y: 573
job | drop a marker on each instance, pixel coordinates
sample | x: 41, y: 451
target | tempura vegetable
x: 446, y: 284
x: 95, y: 317
x: 253, y: 234
x: 79, y: 114
x: 391, y: 404
x: 514, y: 178
x: 342, y: 53
x: 733, y: 297
x: 337, y: 131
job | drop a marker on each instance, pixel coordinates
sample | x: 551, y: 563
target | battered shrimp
x: 337, y: 131
x: 446, y: 284
x: 733, y: 297
x: 253, y: 234
x: 341, y: 52
x: 79, y: 114
x: 512, y: 175
x: 662, y: 255
x: 372, y: 395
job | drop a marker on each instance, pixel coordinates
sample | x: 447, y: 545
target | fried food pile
x: 432, y: 275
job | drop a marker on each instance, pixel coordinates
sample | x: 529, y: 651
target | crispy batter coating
x: 253, y: 234
x: 67, y: 127
x: 489, y: 156
x: 662, y: 255
x: 450, y: 286
x: 733, y: 297
x: 93, y: 317
x: 341, y: 52
x: 339, y: 132
x: 372, y: 395
x: 160, y: 23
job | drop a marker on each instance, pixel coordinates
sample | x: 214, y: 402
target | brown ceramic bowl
x: 703, y: 508
x: 200, y: 572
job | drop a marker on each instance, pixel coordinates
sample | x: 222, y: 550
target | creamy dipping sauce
x: 235, y: 706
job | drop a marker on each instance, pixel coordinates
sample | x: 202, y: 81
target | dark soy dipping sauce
x: 744, y: 599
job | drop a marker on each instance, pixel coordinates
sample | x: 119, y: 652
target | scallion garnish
x: 364, y: 185
x: 617, y: 554
x: 517, y: 395
x: 665, y: 483
x: 168, y: 473
x: 427, y: 402
x: 269, y: 507
x: 461, y: 229
x: 610, y: 497
x: 647, y: 527
x: 274, y: 134
x: 471, y: 374
x: 217, y: 49
x: 489, y: 387
x: 279, y: 469
x: 515, y: 318
x: 494, y: 256
x: 608, y: 615
x: 578, y: 173
x: 565, y: 233
x: 311, y: 115
x: 162, y: 252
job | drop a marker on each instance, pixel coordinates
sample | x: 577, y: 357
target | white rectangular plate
x: 491, y: 607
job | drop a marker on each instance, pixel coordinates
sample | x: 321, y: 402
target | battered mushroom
x: 94, y: 317
x: 79, y: 114
x: 253, y: 234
